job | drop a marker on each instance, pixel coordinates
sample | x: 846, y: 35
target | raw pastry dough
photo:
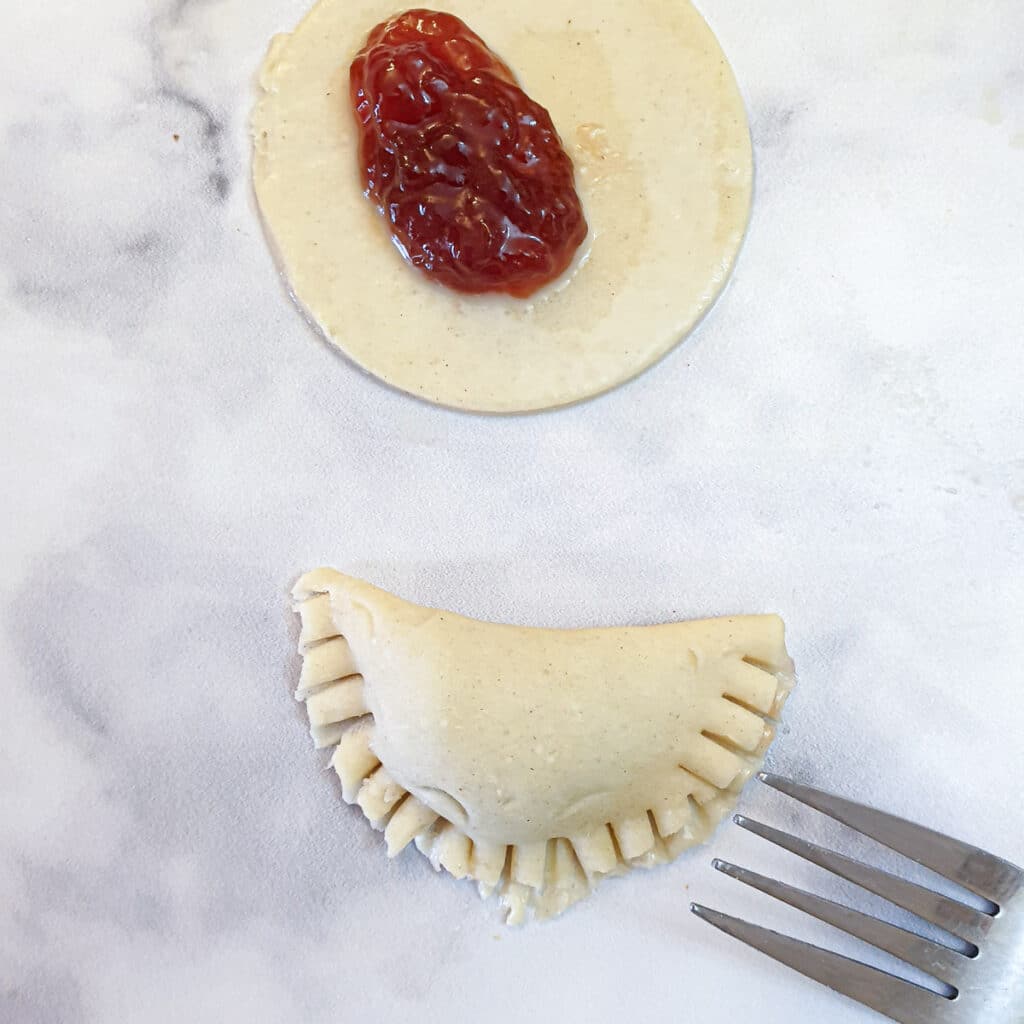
x: 646, y: 105
x: 535, y: 761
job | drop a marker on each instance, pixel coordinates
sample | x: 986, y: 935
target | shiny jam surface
x: 468, y: 171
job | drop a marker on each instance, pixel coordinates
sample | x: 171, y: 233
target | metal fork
x: 984, y: 977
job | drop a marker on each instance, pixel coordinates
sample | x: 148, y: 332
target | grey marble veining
x: 841, y: 441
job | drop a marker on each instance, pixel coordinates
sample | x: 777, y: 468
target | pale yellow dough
x: 535, y: 761
x: 647, y: 106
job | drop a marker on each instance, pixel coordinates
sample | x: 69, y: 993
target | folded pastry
x: 535, y: 761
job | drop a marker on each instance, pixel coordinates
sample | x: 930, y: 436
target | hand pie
x: 535, y: 761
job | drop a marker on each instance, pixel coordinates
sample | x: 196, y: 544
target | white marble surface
x: 841, y: 442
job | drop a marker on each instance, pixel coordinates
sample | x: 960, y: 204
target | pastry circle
x: 648, y: 108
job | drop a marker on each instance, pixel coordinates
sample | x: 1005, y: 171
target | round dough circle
x: 648, y: 108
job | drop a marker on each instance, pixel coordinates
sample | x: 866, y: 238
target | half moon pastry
x: 535, y: 761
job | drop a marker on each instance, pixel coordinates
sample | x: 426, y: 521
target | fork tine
x: 901, y: 1000
x: 980, y: 872
x: 954, y: 917
x: 930, y: 957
